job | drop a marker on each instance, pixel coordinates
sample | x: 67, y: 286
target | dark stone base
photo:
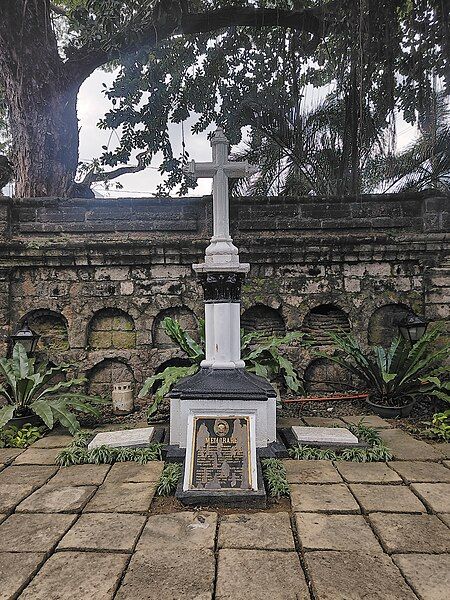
x: 227, y: 498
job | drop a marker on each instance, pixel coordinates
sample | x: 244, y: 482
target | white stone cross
x: 221, y: 251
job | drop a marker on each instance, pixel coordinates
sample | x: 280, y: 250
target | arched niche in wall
x: 105, y: 374
x: 111, y: 328
x: 52, y: 329
x: 323, y: 375
x: 383, y: 324
x: 263, y: 319
x: 322, y: 319
x: 183, y: 315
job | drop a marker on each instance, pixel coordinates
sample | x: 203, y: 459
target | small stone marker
x: 324, y: 435
x: 126, y: 438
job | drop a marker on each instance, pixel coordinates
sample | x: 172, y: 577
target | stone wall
x: 96, y: 277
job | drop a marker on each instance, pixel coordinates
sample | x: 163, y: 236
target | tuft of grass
x: 169, y: 479
x: 275, y: 478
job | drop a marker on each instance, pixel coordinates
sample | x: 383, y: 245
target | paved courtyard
x: 354, y: 531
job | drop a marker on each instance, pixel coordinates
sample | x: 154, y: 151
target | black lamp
x: 25, y: 336
x: 412, y: 328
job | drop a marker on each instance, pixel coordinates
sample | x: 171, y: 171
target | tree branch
x: 92, y: 177
x: 166, y: 22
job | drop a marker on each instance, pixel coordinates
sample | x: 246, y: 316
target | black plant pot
x: 30, y: 418
x: 391, y: 412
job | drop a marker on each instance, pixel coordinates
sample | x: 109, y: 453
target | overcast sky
x: 92, y: 105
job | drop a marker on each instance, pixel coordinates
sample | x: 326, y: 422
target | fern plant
x: 28, y: 390
x: 399, y: 372
x: 262, y: 355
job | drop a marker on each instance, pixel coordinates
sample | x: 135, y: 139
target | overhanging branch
x: 92, y: 177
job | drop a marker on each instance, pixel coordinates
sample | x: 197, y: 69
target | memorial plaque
x: 220, y: 457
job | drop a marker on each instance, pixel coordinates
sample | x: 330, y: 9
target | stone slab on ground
x: 12, y: 494
x: 427, y: 574
x: 354, y: 472
x: 53, y: 441
x: 443, y: 448
x: 259, y: 531
x: 132, y: 472
x: 368, y: 421
x: 335, y: 532
x: 125, y: 438
x: 256, y: 574
x: 323, y: 422
x: 411, y: 533
x: 122, y: 497
x: 38, y: 456
x: 57, y: 499
x: 445, y: 518
x: 404, y: 447
x: 7, y: 455
x: 16, y: 570
x: 33, y: 533
x: 179, y: 531
x: 97, y: 576
x: 324, y: 435
x: 169, y: 575
x: 435, y: 495
x: 81, y: 475
x: 27, y: 475
x: 387, y: 498
x: 417, y: 471
x: 104, y: 531
x: 332, y: 498
x: 446, y: 463
x: 353, y: 575
x: 311, y: 471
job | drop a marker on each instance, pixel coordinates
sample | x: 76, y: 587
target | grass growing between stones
x: 77, y: 453
x: 169, y: 479
x: 275, y: 477
x: 375, y: 451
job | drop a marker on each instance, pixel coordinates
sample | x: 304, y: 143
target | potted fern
x: 262, y: 355
x: 31, y: 397
x: 396, y: 376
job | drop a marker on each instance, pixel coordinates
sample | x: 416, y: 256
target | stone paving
x: 379, y: 531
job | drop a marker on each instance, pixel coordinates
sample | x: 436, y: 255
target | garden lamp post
x: 412, y: 328
x: 25, y: 336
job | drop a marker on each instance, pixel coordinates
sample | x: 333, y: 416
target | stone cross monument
x: 221, y: 415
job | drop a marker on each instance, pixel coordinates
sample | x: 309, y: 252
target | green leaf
x: 20, y: 362
x: 43, y: 410
x: 6, y: 414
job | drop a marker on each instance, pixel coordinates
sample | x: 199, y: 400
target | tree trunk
x: 41, y: 95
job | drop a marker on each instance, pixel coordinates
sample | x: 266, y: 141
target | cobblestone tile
x: 103, y: 531
x: 81, y: 475
x: 335, y: 532
x: 53, y: 441
x: 416, y: 471
x: 368, y: 421
x: 404, y: 447
x: 311, y: 471
x: 132, y: 472
x: 333, y: 498
x: 37, y: 456
x: 368, y: 472
x: 446, y: 463
x: 122, y: 497
x: 435, y: 495
x: 443, y: 448
x: 387, y: 498
x: 428, y: 575
x: 445, y: 518
x: 179, y: 531
x: 57, y: 499
x: 169, y: 575
x: 77, y: 575
x: 259, y: 574
x: 353, y: 576
x: 16, y: 570
x: 259, y: 531
x: 12, y: 494
x: 27, y: 475
x: 411, y: 533
x: 7, y: 455
x: 33, y: 533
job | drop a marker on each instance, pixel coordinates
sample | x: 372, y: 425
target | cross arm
x: 200, y: 169
x: 234, y: 170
